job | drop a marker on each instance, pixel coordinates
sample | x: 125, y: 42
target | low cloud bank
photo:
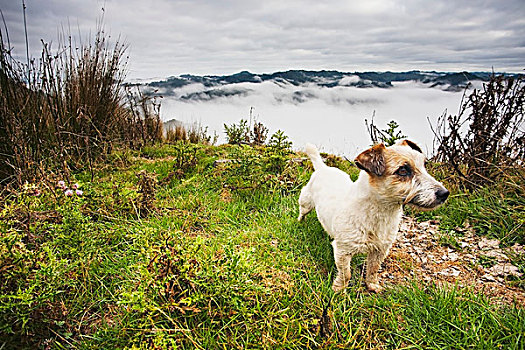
x: 332, y: 118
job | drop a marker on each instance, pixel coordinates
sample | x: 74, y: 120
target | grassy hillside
x: 166, y: 248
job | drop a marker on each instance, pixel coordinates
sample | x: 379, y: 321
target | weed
x: 237, y: 134
x: 279, y: 141
x: 146, y: 201
x: 387, y: 136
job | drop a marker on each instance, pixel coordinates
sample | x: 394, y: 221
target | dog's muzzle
x: 429, y: 200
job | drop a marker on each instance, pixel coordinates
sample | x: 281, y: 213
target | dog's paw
x: 338, y: 286
x: 374, y: 287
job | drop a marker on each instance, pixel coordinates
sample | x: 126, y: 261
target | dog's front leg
x: 342, y: 262
x: 373, y: 264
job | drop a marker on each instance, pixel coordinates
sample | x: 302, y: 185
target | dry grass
x: 69, y: 109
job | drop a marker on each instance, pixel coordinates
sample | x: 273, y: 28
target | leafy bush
x: 241, y: 134
x: 237, y: 133
x: 280, y: 141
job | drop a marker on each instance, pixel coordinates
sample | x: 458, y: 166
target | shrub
x: 237, y: 133
x: 280, y: 141
x: 258, y: 134
x: 485, y: 140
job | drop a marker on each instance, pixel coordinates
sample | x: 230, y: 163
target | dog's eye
x: 403, y: 171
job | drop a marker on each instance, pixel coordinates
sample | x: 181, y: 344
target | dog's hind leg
x: 344, y: 273
x: 306, y: 203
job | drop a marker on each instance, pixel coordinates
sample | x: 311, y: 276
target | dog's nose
x: 442, y: 194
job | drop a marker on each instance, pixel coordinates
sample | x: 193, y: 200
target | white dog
x: 364, y: 216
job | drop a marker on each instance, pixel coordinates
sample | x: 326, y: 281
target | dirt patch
x: 471, y: 261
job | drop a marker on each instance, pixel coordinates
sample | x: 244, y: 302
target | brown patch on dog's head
x: 372, y: 160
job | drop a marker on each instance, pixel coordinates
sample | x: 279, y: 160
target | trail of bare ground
x: 476, y: 262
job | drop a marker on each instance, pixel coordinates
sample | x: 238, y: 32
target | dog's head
x: 397, y: 173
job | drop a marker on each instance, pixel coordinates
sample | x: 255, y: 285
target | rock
x: 496, y: 253
x: 218, y: 162
x: 487, y: 244
x: 488, y: 278
x: 451, y: 271
x: 453, y: 256
x: 518, y: 248
x: 505, y: 270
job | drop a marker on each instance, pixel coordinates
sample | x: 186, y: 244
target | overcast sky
x: 171, y: 37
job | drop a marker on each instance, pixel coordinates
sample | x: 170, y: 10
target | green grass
x: 222, y: 263
x: 496, y: 210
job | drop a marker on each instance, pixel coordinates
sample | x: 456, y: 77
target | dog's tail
x: 314, y: 155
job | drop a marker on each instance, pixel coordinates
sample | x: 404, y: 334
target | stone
x: 486, y: 244
x: 505, y: 270
x: 453, y: 256
x: 488, y: 278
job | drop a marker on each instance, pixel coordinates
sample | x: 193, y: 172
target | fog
x: 331, y: 118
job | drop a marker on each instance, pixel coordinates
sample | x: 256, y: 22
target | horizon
x: 162, y: 78
x: 338, y: 71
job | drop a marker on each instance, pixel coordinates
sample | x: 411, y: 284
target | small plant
x: 199, y: 134
x: 185, y: 160
x: 258, y: 134
x: 237, y: 133
x: 388, y: 136
x: 245, y: 172
x: 146, y: 201
x: 280, y: 141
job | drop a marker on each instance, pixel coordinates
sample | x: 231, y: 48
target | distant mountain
x: 217, y: 86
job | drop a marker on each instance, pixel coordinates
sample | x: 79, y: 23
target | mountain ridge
x: 217, y: 86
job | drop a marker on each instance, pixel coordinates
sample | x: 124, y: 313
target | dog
x: 364, y: 216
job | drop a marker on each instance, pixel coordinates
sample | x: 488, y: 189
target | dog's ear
x: 411, y: 145
x: 372, y: 160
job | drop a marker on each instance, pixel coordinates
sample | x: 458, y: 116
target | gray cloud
x: 218, y: 37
